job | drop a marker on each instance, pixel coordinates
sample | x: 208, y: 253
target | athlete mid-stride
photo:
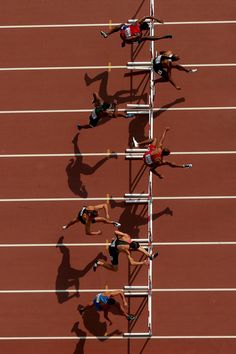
x: 122, y: 243
x: 165, y: 62
x: 131, y: 33
x: 154, y: 156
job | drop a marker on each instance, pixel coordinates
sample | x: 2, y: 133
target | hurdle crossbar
x: 133, y: 157
x: 134, y: 105
x: 136, y: 112
x: 136, y: 201
x: 135, y: 150
x: 134, y: 195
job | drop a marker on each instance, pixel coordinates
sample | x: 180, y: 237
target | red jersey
x: 128, y: 31
x: 150, y: 158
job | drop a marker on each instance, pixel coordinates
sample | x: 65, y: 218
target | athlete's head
x: 111, y: 301
x: 106, y: 105
x: 134, y: 245
x: 144, y: 26
x: 165, y: 152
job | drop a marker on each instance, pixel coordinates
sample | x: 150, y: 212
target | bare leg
x: 180, y: 68
x: 154, y: 38
x: 104, y: 220
x: 108, y: 266
x: 173, y: 165
x: 70, y: 223
x: 113, y: 30
x: 146, y: 142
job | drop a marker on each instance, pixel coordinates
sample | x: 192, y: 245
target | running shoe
x: 81, y: 310
x: 129, y: 115
x: 64, y: 227
x: 135, y: 143
x: 117, y: 224
x: 104, y: 34
x: 188, y: 165
x: 153, y: 256
x: 95, y: 266
x: 131, y: 317
x: 192, y: 70
x: 79, y: 127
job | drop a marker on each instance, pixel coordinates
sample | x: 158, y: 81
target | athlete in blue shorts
x: 103, y: 301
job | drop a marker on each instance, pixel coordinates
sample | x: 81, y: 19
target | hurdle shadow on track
x: 135, y: 215
x: 143, y: 347
x: 122, y: 96
x: 91, y: 320
x: 67, y: 276
x: 76, y: 167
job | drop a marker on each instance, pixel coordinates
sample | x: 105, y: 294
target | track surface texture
x: 52, y: 59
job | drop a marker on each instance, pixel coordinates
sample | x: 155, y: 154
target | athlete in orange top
x: 154, y: 157
x: 133, y: 32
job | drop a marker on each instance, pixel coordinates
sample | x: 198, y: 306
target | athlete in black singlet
x: 165, y: 62
x: 89, y: 215
x: 123, y: 243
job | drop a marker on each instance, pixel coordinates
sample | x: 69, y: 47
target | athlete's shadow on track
x: 79, y: 349
x: 76, y: 167
x: 95, y: 326
x: 122, y: 96
x: 67, y: 276
x: 134, y: 216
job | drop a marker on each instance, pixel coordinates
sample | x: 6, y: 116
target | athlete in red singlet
x: 153, y: 158
x: 133, y: 32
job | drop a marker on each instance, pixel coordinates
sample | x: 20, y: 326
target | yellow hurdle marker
x: 109, y: 67
x: 110, y: 24
x: 108, y: 198
x: 108, y: 152
x: 107, y: 244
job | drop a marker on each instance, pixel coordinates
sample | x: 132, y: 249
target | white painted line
x: 32, y: 111
x: 73, y: 25
x: 104, y: 244
x: 41, y: 68
x: 113, y: 198
x: 94, y: 154
x: 199, y: 22
x: 193, y: 108
x: 85, y: 291
x: 116, y: 338
x: 47, y: 68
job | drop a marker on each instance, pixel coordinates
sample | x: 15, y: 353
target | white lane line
x: 113, y: 198
x: 94, y: 154
x: 38, y: 68
x: 117, y: 337
x: 104, y: 244
x: 45, y: 68
x: 32, y: 111
x: 53, y: 291
x: 71, y: 25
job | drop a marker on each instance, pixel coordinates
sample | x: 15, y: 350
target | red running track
x: 190, y: 266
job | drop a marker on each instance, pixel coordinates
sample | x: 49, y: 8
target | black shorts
x: 114, y: 254
x: 80, y: 218
x: 160, y: 71
x: 93, y: 122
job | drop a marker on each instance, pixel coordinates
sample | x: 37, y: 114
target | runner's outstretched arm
x: 161, y: 141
